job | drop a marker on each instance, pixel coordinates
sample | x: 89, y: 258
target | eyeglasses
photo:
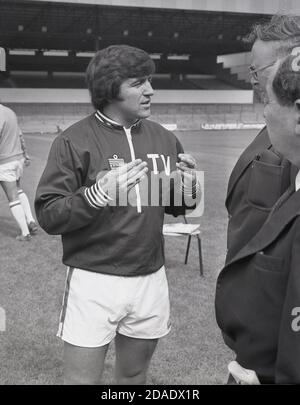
x: 253, y: 71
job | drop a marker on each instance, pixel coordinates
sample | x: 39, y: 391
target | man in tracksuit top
x: 258, y: 291
x: 94, y: 193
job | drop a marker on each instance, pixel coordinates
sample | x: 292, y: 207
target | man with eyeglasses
x: 261, y: 174
x: 260, y: 177
x: 257, y: 304
x: 254, y: 71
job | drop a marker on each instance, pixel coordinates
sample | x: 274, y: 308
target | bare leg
x: 83, y: 365
x: 132, y: 359
x: 26, y: 206
x: 11, y: 191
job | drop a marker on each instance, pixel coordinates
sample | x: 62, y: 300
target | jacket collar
x: 104, y: 119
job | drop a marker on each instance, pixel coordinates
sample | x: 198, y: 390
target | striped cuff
x: 96, y: 197
x: 190, y: 191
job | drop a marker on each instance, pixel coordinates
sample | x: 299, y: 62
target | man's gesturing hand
x: 189, y: 183
x: 121, y: 180
x: 187, y: 166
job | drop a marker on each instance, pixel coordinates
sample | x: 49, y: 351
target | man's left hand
x: 187, y: 165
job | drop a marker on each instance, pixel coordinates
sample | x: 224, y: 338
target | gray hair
x: 286, y: 82
x: 283, y: 28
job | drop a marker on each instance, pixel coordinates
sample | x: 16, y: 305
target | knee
x: 137, y: 377
x: 11, y: 191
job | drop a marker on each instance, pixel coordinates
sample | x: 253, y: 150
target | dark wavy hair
x: 284, y: 28
x: 286, y: 82
x: 110, y: 67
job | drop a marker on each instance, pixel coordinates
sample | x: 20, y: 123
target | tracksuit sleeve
x: 190, y: 198
x: 288, y: 356
x: 173, y: 209
x: 61, y: 202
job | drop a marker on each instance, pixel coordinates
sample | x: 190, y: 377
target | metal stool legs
x: 199, y: 251
x: 200, y: 255
x: 187, y: 250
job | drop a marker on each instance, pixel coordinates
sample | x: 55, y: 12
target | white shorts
x: 11, y: 171
x: 97, y: 306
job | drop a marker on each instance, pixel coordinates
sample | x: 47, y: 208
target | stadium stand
x: 198, y: 49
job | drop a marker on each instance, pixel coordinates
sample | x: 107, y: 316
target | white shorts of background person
x: 11, y: 171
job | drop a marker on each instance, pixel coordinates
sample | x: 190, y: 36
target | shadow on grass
x: 172, y: 264
x: 8, y: 227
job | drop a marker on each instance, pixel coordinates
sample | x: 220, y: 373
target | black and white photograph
x: 149, y: 195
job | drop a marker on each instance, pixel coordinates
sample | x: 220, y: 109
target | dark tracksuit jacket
x: 112, y: 240
x: 258, y: 298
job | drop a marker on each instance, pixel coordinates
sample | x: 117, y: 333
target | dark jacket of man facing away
x: 257, y: 292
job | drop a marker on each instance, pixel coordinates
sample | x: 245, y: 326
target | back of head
x: 282, y: 28
x: 110, y: 67
x: 286, y: 82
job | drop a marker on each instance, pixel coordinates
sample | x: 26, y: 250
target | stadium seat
x: 189, y: 230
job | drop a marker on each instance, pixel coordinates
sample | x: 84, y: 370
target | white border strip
x: 29, y: 95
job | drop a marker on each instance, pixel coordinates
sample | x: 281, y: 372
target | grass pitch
x: 32, y: 281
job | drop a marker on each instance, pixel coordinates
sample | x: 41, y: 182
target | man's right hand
x: 122, y: 179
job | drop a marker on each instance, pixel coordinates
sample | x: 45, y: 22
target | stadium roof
x: 83, y: 27
x: 32, y: 27
x: 255, y: 7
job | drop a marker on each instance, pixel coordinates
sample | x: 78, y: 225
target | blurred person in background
x: 13, y: 157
